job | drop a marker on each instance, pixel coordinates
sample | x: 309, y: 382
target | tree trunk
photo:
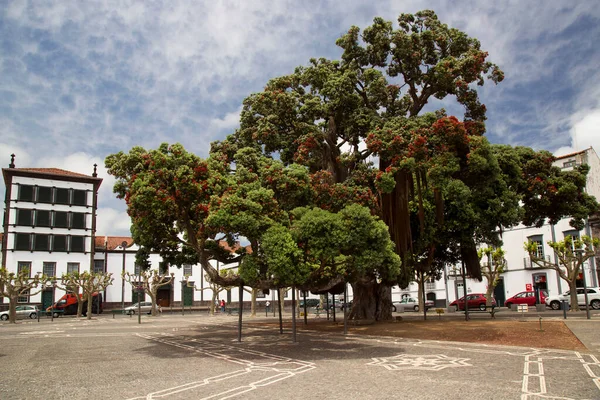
x: 372, y: 301
x: 488, y: 293
x: 573, y: 292
x: 213, y: 303
x: 420, y: 290
x: 89, y: 305
x: 12, y: 307
x: 152, y: 294
x: 253, y: 303
x: 79, y: 305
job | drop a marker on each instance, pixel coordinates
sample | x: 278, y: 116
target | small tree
x: 19, y: 285
x: 571, y: 254
x: 94, y: 283
x: 214, y: 287
x: 150, y: 281
x: 491, y: 271
x: 72, y: 283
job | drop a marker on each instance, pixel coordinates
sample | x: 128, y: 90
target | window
x: 62, y: 196
x: 187, y: 269
x: 80, y: 197
x: 538, y: 240
x: 77, y: 244
x: 24, y: 217
x: 22, y: 241
x: 78, y: 220
x: 98, y: 266
x: 59, y: 243
x: 44, y: 194
x: 49, y: 269
x: 25, y: 193
x: 41, y: 242
x: 42, y: 218
x: 163, y: 268
x: 72, y: 267
x: 137, y: 269
x: 24, y: 297
x: 60, y: 219
x: 24, y: 266
x: 570, y: 163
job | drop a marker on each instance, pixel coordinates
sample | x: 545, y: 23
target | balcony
x: 528, y: 264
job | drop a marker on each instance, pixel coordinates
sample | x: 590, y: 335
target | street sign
x: 528, y: 287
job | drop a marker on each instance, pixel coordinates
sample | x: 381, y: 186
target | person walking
x: 222, y: 305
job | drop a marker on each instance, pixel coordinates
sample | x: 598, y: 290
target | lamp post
x: 53, y: 299
x: 585, y: 293
x: 124, y: 246
x: 139, y: 294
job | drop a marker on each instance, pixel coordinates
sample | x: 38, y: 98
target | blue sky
x: 81, y: 80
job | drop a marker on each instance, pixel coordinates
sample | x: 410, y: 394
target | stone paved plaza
x: 199, y: 357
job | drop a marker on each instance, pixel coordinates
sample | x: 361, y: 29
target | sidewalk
x: 587, y: 331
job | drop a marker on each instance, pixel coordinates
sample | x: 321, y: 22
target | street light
x: 124, y: 246
x: 579, y: 253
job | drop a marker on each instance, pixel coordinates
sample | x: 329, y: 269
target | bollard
x: 565, y: 305
x: 541, y: 330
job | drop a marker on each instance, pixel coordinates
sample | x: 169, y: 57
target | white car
x: 410, y: 304
x: 593, y: 294
x: 22, y: 312
x: 145, y: 307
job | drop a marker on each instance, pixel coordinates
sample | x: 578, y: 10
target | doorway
x: 163, y: 295
x: 499, y: 293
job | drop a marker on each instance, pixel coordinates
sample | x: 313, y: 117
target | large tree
x: 21, y: 284
x: 321, y: 115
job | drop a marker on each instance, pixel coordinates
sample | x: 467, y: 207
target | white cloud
x: 112, y: 222
x: 584, y: 134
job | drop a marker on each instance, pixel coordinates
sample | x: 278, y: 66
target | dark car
x: 310, y: 303
x: 474, y: 300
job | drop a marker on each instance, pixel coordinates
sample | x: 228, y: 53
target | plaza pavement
x: 197, y: 356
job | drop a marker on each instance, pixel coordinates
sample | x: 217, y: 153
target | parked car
x: 310, y: 303
x: 145, y: 307
x: 67, y: 305
x: 474, y: 300
x: 527, y: 297
x: 22, y: 312
x: 410, y: 304
x: 338, y: 305
x: 593, y: 298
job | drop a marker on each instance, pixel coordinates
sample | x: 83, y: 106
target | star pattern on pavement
x: 434, y: 362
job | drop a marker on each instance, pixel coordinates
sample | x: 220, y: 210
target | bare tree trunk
x: 573, y: 293
x: 12, y: 307
x: 213, y: 303
x: 420, y: 286
x: 89, y: 305
x: 79, y: 305
x: 371, y: 301
x: 488, y: 294
x: 253, y: 303
x: 152, y: 294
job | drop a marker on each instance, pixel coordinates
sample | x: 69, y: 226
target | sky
x: 82, y: 80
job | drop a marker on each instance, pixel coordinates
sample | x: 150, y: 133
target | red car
x: 474, y: 300
x: 527, y: 297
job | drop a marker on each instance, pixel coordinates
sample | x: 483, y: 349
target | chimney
x: 12, y: 161
x: 95, y: 174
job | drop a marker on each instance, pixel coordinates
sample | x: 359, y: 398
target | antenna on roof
x: 95, y: 174
x: 12, y: 161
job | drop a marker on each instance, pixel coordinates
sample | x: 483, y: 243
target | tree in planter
x: 571, y: 253
x: 150, y: 281
x: 491, y: 271
x: 19, y: 285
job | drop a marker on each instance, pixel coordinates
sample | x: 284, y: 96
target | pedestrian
x: 267, y: 304
x: 222, y: 306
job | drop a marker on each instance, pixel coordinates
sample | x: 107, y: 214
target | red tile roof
x: 571, y: 154
x: 113, y: 241
x: 54, y: 171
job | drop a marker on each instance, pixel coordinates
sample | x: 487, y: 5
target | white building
x: 49, y: 222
